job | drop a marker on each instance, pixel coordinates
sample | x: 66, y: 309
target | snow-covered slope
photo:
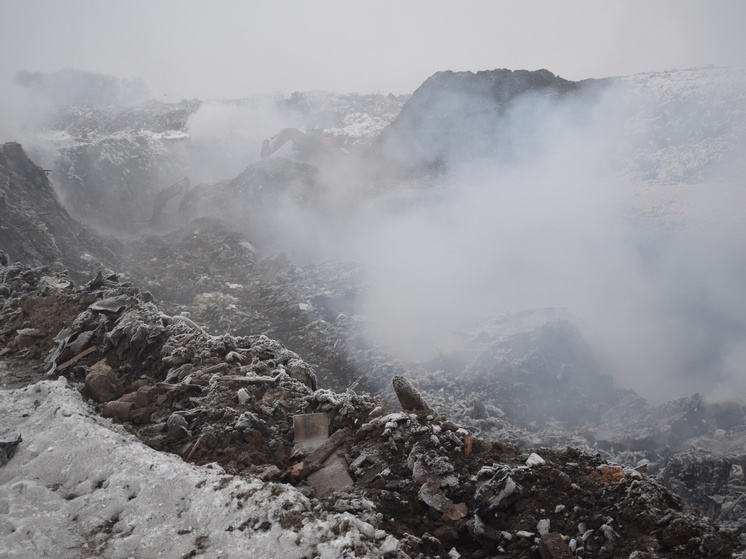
x: 684, y: 124
x: 84, y: 487
x: 110, y: 162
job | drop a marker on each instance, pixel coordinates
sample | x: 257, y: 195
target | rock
x: 8, y: 449
x: 431, y: 495
x: 176, y: 428
x: 145, y: 396
x: 551, y: 546
x: 140, y: 416
x: 330, y: 478
x: 409, y: 398
x: 102, y: 384
x: 243, y: 396
x: 26, y: 337
x: 534, y: 460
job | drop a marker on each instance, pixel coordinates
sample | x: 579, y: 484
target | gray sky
x: 233, y: 48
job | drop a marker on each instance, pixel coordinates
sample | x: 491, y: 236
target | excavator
x: 304, y: 143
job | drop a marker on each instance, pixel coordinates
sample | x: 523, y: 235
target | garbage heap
x: 251, y: 406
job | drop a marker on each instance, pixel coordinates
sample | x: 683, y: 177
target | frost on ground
x: 81, y: 486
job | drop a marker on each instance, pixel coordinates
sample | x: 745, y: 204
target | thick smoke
x: 225, y: 136
x: 652, y: 263
x: 46, y: 92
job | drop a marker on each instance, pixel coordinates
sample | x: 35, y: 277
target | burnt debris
x: 249, y: 404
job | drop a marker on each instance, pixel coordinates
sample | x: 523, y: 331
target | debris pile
x: 425, y: 485
x: 35, y: 228
x: 714, y: 484
x: 99, y: 492
x: 456, y: 116
x: 251, y: 375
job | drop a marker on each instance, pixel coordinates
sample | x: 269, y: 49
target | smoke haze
x: 653, y: 272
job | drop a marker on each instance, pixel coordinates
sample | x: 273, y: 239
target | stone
x: 176, y: 428
x: 145, y: 396
x: 409, y: 398
x: 8, y: 449
x: 26, y: 337
x: 102, y: 384
x: 331, y: 477
x: 551, y: 546
x: 243, y: 396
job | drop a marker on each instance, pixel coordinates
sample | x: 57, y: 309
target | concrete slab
x: 331, y: 477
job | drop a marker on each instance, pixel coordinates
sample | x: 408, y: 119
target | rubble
x: 408, y: 474
x: 444, y: 122
x: 35, y: 228
x: 256, y: 370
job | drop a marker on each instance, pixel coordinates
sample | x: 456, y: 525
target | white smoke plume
x: 652, y: 262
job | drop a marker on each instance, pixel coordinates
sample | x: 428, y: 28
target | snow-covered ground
x: 80, y: 486
x: 685, y: 122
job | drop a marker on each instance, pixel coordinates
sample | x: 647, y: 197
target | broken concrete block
x: 332, y: 477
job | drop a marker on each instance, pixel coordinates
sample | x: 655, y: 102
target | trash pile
x: 452, y: 116
x: 35, y: 228
x: 200, y: 352
x: 253, y: 408
x: 79, y: 485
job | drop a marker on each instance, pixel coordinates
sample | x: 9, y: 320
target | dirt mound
x: 458, y: 116
x: 35, y: 228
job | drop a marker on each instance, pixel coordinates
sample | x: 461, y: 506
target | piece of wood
x: 77, y: 358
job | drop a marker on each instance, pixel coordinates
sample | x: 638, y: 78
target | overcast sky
x: 185, y: 48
